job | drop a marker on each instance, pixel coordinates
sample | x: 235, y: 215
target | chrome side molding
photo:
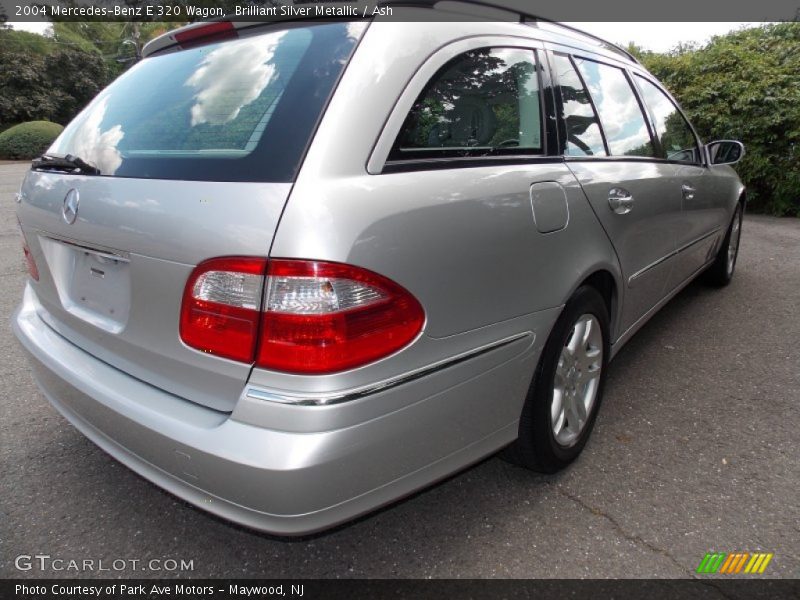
x: 326, y: 399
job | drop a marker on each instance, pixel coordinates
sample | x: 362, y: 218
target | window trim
x: 645, y: 110
x: 550, y: 114
x: 440, y: 159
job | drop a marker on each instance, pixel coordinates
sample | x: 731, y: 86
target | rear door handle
x: 688, y: 191
x: 620, y: 201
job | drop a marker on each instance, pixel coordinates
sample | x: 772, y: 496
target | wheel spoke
x: 591, y: 374
x: 591, y: 360
x: 561, y: 369
x: 587, y: 331
x: 557, y: 411
x: 580, y: 406
x: 573, y: 417
x: 577, y: 336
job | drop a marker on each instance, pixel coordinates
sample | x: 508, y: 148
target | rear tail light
x: 222, y: 307
x: 33, y: 270
x: 325, y: 317
x: 317, y: 317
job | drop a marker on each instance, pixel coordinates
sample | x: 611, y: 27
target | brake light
x: 317, y: 317
x: 322, y: 317
x: 215, y: 31
x: 222, y: 307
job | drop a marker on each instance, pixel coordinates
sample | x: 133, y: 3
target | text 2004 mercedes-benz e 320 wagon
x: 292, y: 272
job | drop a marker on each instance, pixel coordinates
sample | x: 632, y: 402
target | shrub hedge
x: 28, y: 140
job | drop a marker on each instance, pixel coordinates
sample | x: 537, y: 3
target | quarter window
x: 583, y: 136
x: 483, y: 102
x: 677, y: 138
x: 623, y: 123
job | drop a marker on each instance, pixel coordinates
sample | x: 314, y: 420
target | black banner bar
x: 711, y: 588
x: 281, y: 10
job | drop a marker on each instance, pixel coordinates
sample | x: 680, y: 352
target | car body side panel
x: 461, y: 240
x: 705, y: 216
x: 644, y: 238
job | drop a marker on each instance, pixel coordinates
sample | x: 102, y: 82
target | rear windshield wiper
x: 69, y: 163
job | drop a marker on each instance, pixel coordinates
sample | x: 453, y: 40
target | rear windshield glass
x: 241, y: 110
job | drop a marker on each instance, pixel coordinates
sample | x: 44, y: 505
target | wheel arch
x: 607, y: 285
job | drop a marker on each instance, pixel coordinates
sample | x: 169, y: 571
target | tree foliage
x: 52, y: 87
x: 53, y: 77
x: 745, y: 86
x: 24, y: 42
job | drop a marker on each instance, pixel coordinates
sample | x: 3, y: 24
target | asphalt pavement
x: 696, y: 449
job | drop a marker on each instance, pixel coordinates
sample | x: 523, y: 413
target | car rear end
x: 287, y: 391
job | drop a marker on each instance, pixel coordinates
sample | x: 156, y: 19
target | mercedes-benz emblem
x: 70, y: 209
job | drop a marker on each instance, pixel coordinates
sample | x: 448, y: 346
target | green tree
x: 51, y: 87
x: 118, y: 42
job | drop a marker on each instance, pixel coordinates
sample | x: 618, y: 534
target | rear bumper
x: 282, y: 482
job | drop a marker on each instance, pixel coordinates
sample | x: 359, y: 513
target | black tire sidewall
x: 717, y: 273
x: 737, y: 216
x: 550, y: 454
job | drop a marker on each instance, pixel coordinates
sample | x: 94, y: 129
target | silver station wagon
x: 292, y: 272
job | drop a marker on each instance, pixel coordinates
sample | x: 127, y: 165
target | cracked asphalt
x: 695, y: 449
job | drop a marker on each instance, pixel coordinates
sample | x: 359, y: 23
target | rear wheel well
x: 603, y: 282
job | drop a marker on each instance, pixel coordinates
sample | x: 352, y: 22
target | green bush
x: 28, y: 140
x: 744, y: 86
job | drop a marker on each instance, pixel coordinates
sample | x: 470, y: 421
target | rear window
x: 241, y: 110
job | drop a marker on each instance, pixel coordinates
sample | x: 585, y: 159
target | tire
x: 720, y: 273
x: 541, y: 445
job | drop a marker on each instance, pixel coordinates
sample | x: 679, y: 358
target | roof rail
x: 524, y: 17
x: 168, y: 39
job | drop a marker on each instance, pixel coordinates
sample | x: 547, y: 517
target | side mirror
x: 725, y: 152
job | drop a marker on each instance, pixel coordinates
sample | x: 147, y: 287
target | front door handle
x: 688, y: 191
x: 620, y: 201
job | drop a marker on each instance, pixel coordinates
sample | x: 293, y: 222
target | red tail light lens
x: 317, y: 317
x: 222, y: 307
x: 33, y: 270
x: 324, y: 317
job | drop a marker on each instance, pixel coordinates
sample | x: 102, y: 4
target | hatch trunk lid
x: 112, y: 281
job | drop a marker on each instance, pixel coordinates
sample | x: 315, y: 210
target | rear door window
x: 581, y: 127
x: 621, y: 115
x: 481, y: 103
x: 239, y: 110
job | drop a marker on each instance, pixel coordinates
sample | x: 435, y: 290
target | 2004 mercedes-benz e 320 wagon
x: 292, y: 272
